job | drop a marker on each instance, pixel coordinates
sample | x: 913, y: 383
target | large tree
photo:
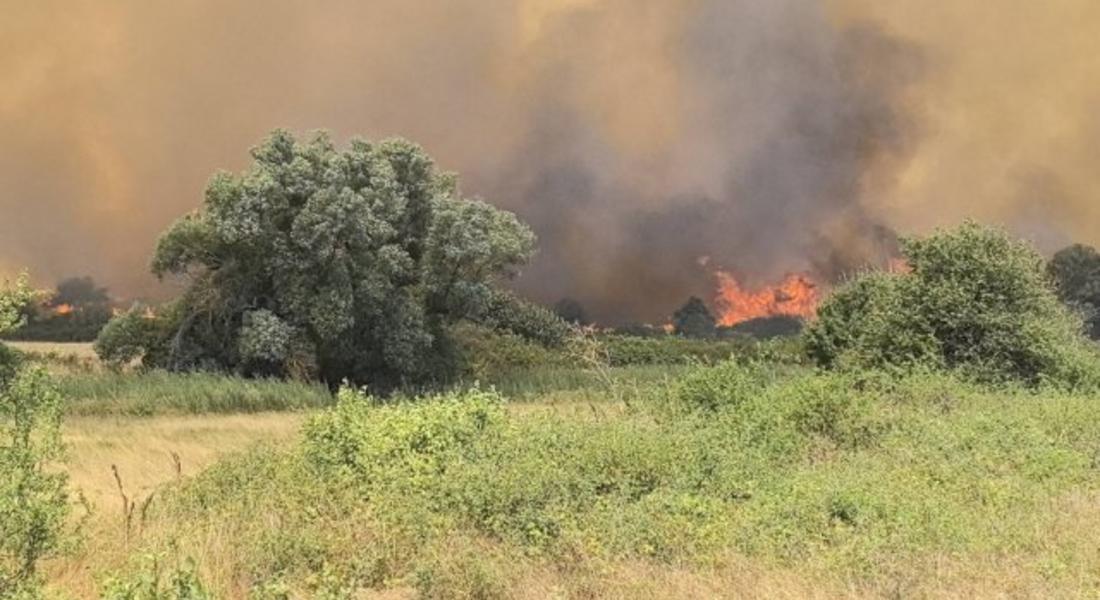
x: 349, y: 264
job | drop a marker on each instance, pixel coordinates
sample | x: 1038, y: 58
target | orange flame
x: 63, y: 309
x: 796, y: 296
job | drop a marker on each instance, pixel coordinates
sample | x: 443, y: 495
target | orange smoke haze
x: 776, y: 136
x: 795, y: 296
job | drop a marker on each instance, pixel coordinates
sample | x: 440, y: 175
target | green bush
x: 128, y: 337
x: 153, y: 581
x: 488, y: 355
x: 33, y: 498
x: 973, y: 299
x: 508, y: 313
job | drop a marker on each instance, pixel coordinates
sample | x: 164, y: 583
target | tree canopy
x: 342, y: 263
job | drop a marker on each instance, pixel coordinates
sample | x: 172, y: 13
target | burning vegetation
x: 796, y: 296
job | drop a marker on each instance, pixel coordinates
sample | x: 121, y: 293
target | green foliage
x: 508, y: 313
x: 674, y: 350
x: 488, y: 355
x: 1075, y: 271
x: 347, y: 263
x: 694, y: 320
x: 974, y: 300
x: 12, y: 299
x: 154, y: 582
x: 33, y: 499
x: 130, y: 336
x: 860, y: 473
x: 160, y: 393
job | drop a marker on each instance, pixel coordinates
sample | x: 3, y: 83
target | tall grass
x: 158, y: 392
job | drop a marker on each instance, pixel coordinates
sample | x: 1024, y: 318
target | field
x: 747, y: 479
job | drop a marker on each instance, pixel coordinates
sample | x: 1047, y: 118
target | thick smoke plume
x: 648, y: 142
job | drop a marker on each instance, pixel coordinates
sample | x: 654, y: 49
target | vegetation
x: 508, y: 313
x: 973, y: 300
x: 33, y: 498
x: 765, y: 328
x: 861, y: 481
x: 694, y: 320
x: 74, y: 312
x: 933, y: 433
x: 340, y: 264
x: 1075, y: 272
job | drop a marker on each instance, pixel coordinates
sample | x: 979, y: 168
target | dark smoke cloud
x: 636, y: 136
x: 788, y: 123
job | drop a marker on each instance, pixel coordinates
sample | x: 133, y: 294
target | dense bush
x: 130, y: 336
x: 973, y: 299
x: 509, y: 313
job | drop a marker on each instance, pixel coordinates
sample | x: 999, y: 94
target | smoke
x: 636, y: 136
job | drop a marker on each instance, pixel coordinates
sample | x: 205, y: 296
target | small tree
x: 974, y: 299
x: 1075, y: 272
x: 33, y: 501
x: 694, y: 320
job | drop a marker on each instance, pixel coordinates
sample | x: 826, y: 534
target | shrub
x: 153, y: 581
x: 128, y: 337
x: 33, y: 500
x: 973, y: 299
x: 375, y: 444
x: 488, y: 355
x: 508, y: 313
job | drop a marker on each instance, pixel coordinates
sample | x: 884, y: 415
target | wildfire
x: 797, y: 296
x: 63, y: 309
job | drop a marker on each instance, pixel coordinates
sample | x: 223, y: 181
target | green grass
x: 533, y: 384
x: 847, y: 484
x: 158, y: 393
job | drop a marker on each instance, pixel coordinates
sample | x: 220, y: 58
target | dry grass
x: 147, y: 452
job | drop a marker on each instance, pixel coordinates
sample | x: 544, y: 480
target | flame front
x: 796, y: 296
x: 63, y: 309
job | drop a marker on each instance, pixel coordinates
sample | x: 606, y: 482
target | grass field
x: 734, y: 481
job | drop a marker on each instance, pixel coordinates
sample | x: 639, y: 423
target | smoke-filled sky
x: 636, y: 136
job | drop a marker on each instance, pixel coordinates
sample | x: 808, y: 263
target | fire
x: 63, y: 309
x: 796, y: 296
